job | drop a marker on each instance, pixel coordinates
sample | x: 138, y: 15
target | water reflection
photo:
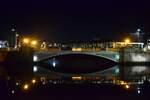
x: 132, y: 74
x: 129, y: 73
x: 139, y: 69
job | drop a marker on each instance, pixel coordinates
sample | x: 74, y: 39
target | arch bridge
x: 42, y: 55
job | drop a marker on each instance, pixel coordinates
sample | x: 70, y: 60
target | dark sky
x: 73, y: 20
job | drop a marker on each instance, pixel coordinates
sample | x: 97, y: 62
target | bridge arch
x: 112, y: 56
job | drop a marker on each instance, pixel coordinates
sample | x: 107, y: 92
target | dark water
x: 75, y: 91
x: 77, y: 63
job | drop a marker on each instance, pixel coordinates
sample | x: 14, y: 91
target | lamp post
x: 138, y: 34
x: 16, y: 40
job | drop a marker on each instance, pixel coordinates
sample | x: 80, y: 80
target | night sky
x: 74, y: 20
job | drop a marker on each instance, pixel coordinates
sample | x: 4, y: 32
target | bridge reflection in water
x: 64, y: 64
x: 133, y: 74
x: 91, y: 65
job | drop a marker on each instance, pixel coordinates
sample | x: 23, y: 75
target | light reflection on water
x: 139, y: 69
x: 137, y: 73
x: 132, y: 73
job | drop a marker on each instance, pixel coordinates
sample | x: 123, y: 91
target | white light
x: 139, y: 91
x: 138, y: 58
x: 138, y: 69
x: 35, y: 58
x: 148, y: 47
x: 12, y: 30
x: 17, y: 35
x: 12, y: 91
x: 138, y: 30
x: 145, y: 49
x: 117, y: 57
x: 54, y: 64
x: 117, y: 70
x: 17, y: 83
x: 35, y: 69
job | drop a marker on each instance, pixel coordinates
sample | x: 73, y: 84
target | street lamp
x: 127, y: 41
x: 25, y: 40
x: 16, y: 40
x: 26, y: 86
x: 138, y: 34
x: 29, y: 42
x: 33, y: 81
x: 138, y: 30
x: 34, y: 42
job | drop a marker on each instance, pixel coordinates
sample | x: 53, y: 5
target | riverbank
x: 23, y: 55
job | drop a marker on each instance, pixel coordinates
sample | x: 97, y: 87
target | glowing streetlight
x: 34, y: 42
x: 138, y: 34
x: 16, y: 40
x: 127, y: 41
x: 35, y: 69
x: 17, y: 83
x: 33, y: 81
x: 127, y: 86
x: 26, y: 87
x: 54, y: 64
x: 35, y: 58
x: 26, y: 40
x: 138, y: 30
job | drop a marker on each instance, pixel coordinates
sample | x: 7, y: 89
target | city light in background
x: 127, y: 41
x: 34, y: 42
x: 26, y: 86
x: 33, y: 81
x: 127, y: 86
x: 30, y: 42
x: 25, y: 40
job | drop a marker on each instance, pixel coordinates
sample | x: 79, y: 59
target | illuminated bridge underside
x: 40, y: 56
x: 76, y: 62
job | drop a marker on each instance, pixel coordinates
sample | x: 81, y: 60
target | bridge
x: 42, y: 55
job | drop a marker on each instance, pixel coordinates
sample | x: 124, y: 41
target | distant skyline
x: 67, y: 20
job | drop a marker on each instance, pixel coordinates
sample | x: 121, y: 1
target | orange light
x: 76, y: 78
x: 127, y: 40
x: 122, y: 83
x: 34, y: 42
x: 26, y: 40
x: 26, y: 87
x: 127, y: 86
x: 76, y: 49
x: 33, y: 81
